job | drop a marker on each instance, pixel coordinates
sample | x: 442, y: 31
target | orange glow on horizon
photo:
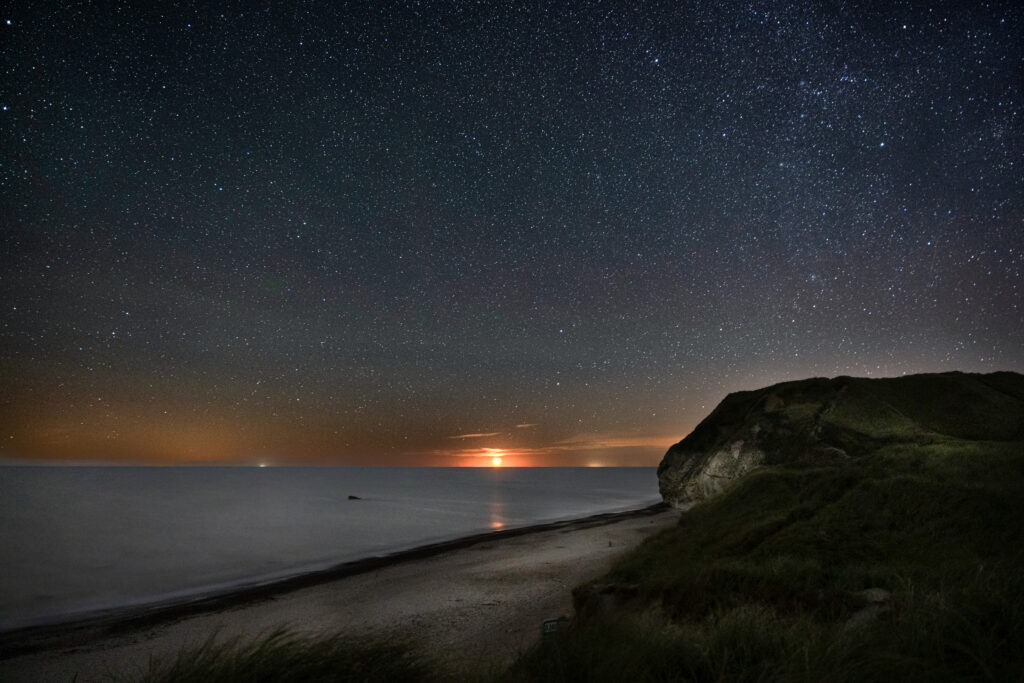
x: 582, y: 450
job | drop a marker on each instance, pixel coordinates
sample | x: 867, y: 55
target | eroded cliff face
x: 832, y: 420
x: 692, y: 477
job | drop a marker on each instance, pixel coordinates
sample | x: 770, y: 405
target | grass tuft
x: 966, y: 633
x: 285, y: 657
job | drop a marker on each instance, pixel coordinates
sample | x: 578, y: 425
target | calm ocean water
x: 75, y: 540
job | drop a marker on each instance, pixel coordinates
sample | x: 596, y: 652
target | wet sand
x: 469, y: 605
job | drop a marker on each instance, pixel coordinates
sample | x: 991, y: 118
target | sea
x: 80, y: 541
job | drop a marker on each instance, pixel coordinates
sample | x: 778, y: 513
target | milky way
x: 436, y: 232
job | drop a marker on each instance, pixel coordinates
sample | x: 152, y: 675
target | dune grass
x: 954, y: 635
x: 903, y: 565
x: 286, y: 657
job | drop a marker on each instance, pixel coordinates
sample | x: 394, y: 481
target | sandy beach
x: 471, y: 606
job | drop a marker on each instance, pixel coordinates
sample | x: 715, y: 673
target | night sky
x: 442, y: 232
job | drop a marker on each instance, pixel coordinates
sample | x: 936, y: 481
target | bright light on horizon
x: 496, y: 461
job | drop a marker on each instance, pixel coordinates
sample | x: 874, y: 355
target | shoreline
x: 81, y: 630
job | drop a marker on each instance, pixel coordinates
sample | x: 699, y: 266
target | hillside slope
x: 818, y: 421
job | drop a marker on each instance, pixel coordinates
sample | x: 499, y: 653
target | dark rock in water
x: 354, y: 498
x: 827, y: 421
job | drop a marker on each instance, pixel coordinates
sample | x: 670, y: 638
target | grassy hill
x: 816, y: 421
x: 882, y: 538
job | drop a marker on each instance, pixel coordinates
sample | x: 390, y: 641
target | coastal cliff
x: 829, y: 421
x: 847, y: 530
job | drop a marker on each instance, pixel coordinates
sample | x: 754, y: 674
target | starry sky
x: 441, y: 232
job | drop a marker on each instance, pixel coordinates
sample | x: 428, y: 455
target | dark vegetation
x: 284, y: 657
x: 773, y: 580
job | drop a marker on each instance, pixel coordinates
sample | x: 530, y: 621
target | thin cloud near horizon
x: 584, y: 441
x: 579, y: 442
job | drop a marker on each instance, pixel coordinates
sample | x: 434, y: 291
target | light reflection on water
x: 496, y: 511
